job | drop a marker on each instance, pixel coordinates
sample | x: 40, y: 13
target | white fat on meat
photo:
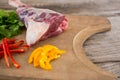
x: 35, y: 31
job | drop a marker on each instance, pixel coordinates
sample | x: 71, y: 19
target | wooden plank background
x: 103, y: 49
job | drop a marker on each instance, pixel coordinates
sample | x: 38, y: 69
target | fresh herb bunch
x: 10, y: 25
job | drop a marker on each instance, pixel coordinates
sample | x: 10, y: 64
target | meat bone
x: 78, y: 42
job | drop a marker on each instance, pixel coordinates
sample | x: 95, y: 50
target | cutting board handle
x: 78, y: 42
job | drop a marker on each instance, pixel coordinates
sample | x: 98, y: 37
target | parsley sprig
x: 10, y: 25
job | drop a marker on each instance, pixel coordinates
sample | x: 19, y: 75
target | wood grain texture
x: 76, y: 7
x: 68, y: 67
x: 103, y: 49
x: 83, y: 35
x: 105, y: 56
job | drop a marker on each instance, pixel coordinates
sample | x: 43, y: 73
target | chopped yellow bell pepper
x: 42, y: 56
x: 31, y: 58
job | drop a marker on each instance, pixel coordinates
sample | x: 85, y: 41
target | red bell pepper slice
x: 9, y: 54
x: 5, y: 53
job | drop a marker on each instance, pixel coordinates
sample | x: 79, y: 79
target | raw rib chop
x: 40, y: 23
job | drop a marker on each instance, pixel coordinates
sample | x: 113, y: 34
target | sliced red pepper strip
x: 5, y: 53
x: 12, y: 51
x: 17, y: 51
x: 16, y: 45
x: 26, y: 47
x: 1, y: 47
x: 11, y: 41
x: 7, y: 49
x: 13, y: 46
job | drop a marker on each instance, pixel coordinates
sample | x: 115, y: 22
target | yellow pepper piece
x: 31, y: 58
x: 42, y: 56
x: 37, y: 56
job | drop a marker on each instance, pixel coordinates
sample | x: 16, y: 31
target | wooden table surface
x: 104, y: 48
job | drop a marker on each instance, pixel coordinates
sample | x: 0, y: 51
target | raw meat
x: 40, y: 23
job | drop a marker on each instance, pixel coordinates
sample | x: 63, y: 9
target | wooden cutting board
x: 74, y: 65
